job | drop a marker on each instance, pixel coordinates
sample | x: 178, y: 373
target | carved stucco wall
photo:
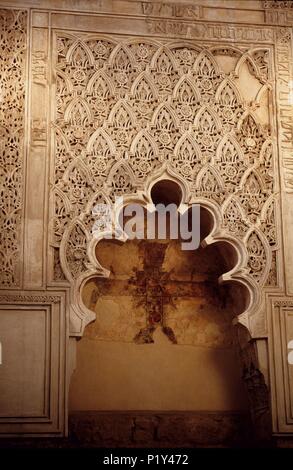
x: 13, y: 37
x: 163, y: 89
x: 130, y: 108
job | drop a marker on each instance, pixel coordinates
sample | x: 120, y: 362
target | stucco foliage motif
x: 127, y: 108
x: 12, y: 96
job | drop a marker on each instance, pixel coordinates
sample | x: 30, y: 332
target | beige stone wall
x: 115, y: 376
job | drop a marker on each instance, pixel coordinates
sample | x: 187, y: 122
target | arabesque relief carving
x: 13, y: 39
x: 125, y: 109
x: 121, y: 110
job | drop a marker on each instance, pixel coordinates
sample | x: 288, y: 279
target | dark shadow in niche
x: 166, y: 192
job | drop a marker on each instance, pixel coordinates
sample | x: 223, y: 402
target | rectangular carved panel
x: 32, y: 373
x: 23, y: 371
x: 281, y: 333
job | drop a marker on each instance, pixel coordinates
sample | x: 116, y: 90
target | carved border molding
x: 34, y: 299
x: 278, y: 12
x: 32, y: 296
x: 270, y: 11
x: 176, y: 28
x: 53, y: 421
x: 284, y: 81
x: 283, y: 303
x: 278, y: 4
x: 208, y: 30
x: 280, y: 323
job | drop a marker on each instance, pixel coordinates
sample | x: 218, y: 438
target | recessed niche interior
x: 163, y: 336
x: 166, y: 192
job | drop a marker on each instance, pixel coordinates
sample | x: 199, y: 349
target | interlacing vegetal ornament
x: 13, y: 39
x: 128, y: 109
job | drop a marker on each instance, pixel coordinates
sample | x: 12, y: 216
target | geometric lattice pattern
x: 125, y: 108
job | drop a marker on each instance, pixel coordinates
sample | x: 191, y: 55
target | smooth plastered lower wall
x: 159, y: 376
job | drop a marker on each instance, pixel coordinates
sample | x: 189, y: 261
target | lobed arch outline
x: 78, y: 100
x: 81, y: 316
x: 164, y: 49
x: 80, y: 43
x: 251, y: 113
x: 219, y: 47
x: 67, y: 81
x: 181, y: 44
x: 228, y: 81
x: 248, y: 57
x: 121, y: 47
x: 188, y: 80
x: 266, y: 87
x: 206, y: 54
x: 148, y: 79
x: 94, y: 78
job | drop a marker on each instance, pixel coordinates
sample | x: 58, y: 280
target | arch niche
x: 211, y: 328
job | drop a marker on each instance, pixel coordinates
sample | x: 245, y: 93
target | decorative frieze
x: 26, y: 298
x: 278, y: 12
x: 209, y: 31
x: 176, y: 10
x: 283, y: 303
x: 278, y: 4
